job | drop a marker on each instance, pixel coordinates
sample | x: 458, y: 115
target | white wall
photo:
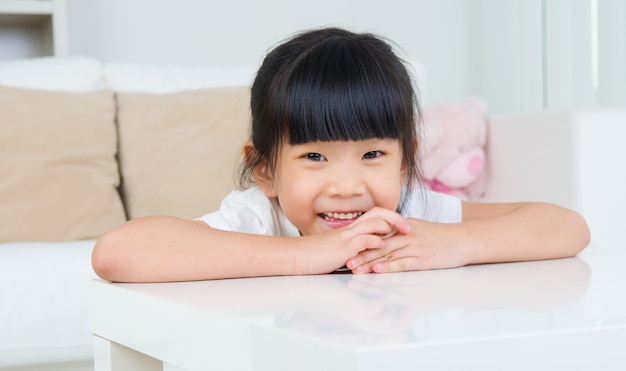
x: 239, y: 32
x: 510, y: 66
x: 551, y: 54
x: 519, y: 55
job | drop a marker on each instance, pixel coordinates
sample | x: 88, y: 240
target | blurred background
x: 518, y: 55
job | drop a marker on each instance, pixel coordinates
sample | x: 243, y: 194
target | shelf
x: 32, y: 28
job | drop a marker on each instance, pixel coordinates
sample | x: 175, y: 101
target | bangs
x: 348, y: 98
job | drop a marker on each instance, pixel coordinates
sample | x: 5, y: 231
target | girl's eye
x: 314, y: 157
x: 372, y: 154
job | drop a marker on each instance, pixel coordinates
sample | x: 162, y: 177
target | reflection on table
x: 410, y: 307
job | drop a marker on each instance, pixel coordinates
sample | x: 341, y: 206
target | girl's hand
x: 326, y: 252
x: 425, y: 246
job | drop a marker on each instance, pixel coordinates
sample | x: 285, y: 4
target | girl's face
x: 326, y: 185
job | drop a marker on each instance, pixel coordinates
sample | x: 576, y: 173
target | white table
x: 566, y: 314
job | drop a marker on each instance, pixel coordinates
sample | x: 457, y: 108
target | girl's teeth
x: 340, y: 216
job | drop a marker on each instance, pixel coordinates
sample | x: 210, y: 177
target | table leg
x: 111, y: 356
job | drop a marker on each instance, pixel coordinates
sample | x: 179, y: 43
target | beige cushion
x: 179, y: 152
x: 58, y: 174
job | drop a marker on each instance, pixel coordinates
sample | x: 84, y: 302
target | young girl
x: 333, y: 182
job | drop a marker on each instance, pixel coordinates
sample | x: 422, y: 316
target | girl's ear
x: 263, y: 177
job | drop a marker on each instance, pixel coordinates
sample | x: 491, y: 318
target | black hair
x: 332, y: 85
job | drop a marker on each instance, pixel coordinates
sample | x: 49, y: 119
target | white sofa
x: 569, y: 158
x: 45, y: 247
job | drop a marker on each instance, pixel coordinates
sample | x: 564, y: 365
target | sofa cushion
x: 179, y: 151
x: 58, y: 173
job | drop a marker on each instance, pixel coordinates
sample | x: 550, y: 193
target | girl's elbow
x: 586, y: 238
x: 104, y: 259
x: 583, y: 234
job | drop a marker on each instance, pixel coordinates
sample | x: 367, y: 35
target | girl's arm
x: 489, y: 233
x: 160, y: 248
x: 522, y: 231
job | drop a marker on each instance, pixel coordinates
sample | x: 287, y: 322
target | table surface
x: 554, y: 314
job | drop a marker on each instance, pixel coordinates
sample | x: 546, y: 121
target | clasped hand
x: 410, y: 244
x: 383, y: 241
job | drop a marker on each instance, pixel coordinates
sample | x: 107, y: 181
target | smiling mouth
x: 341, y: 216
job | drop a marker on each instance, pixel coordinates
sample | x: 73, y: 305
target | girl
x: 334, y: 181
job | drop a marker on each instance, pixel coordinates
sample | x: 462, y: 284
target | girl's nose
x: 346, y: 181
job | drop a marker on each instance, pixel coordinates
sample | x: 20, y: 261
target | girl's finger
x: 371, y: 226
x: 390, y: 217
x: 365, y: 259
x: 399, y: 265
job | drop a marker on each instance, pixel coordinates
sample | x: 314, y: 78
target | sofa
x: 86, y: 146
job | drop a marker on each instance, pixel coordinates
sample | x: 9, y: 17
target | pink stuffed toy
x: 453, y: 148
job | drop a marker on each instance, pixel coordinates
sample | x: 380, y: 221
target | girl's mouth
x: 333, y: 216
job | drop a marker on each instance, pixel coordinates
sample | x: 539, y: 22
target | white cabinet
x: 32, y: 28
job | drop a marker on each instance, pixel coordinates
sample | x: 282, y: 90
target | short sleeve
x: 250, y: 211
x: 433, y: 207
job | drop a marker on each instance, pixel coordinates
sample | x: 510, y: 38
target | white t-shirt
x: 250, y: 211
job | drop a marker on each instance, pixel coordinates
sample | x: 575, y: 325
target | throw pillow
x: 74, y: 73
x: 179, y: 151
x: 133, y: 78
x: 58, y: 172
